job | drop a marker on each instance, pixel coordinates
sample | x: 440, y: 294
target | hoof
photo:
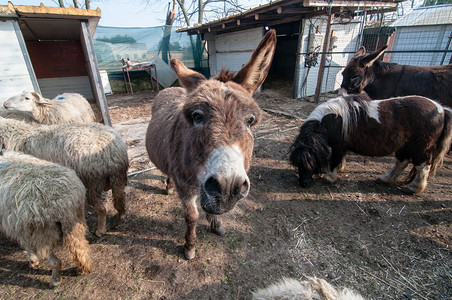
x: 189, y: 254
x: 382, y: 181
x: 100, y: 233
x: 169, y: 191
x: 329, y: 178
x: 219, y: 230
x: 406, y: 190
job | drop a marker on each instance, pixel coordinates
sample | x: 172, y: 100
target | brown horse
x: 200, y: 137
x: 417, y: 129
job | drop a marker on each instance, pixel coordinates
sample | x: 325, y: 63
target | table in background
x: 125, y: 70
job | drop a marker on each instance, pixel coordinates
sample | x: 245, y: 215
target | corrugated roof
x: 285, y: 11
x: 429, y: 15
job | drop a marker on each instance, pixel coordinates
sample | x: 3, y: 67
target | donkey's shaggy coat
x: 97, y: 153
x: 64, y: 108
x: 200, y: 136
x: 417, y: 129
x: 312, y: 289
x: 42, y: 203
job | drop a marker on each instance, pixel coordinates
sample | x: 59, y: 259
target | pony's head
x: 310, y: 152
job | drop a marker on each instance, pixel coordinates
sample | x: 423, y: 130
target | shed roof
x: 429, y: 15
x: 32, y: 19
x: 284, y: 11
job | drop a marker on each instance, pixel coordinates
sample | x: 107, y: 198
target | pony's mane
x: 310, y: 149
x: 225, y: 75
x: 348, y: 108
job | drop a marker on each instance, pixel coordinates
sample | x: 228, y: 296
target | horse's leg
x: 392, y: 174
x: 215, y: 224
x: 337, y: 155
x: 342, y: 165
x: 169, y: 186
x: 419, y: 182
x: 191, y: 219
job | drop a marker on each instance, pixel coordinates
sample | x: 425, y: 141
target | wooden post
x: 322, y: 60
x: 94, y: 74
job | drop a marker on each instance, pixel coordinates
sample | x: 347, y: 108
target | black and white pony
x: 417, y: 129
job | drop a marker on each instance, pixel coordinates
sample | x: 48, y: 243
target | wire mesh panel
x: 420, y: 36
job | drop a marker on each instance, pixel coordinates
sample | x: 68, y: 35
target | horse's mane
x: 310, y: 148
x: 347, y: 107
x: 225, y: 75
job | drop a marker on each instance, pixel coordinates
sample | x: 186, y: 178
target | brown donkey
x: 200, y: 137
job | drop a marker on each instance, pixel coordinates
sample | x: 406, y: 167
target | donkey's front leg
x: 191, y: 219
x: 215, y: 224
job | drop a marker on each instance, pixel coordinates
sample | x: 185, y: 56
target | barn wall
x: 51, y: 87
x: 232, y: 50
x: 60, y: 67
x: 418, y: 38
x: 14, y: 75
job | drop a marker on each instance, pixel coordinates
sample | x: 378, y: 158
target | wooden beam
x: 322, y: 59
x: 347, y: 3
x: 93, y: 71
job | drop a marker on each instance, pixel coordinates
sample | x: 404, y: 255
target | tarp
x: 140, y: 44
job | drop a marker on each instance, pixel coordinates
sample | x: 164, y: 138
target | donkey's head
x: 220, y: 115
x: 358, y: 72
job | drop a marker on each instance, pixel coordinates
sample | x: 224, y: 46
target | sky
x: 126, y: 13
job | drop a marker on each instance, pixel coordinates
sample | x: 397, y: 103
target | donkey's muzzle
x: 220, y: 195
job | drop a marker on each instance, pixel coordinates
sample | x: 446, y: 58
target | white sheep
x: 97, y: 153
x: 42, y: 204
x: 312, y: 289
x: 64, y: 108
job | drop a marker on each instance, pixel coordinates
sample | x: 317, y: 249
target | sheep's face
x: 24, y: 102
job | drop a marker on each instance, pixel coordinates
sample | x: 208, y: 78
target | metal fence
x: 421, y: 37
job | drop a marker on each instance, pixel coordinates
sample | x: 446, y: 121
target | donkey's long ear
x: 368, y: 60
x: 253, y: 74
x: 189, y: 79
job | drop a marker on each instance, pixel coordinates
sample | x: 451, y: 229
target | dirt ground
x: 356, y: 233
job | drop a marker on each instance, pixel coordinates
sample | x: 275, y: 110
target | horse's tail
x: 443, y: 143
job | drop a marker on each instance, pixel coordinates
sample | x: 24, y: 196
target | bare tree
x: 195, y: 11
x: 75, y: 3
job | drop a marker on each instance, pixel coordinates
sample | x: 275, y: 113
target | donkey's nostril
x: 212, y: 186
x: 245, y: 188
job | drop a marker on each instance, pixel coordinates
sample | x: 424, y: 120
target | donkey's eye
x: 27, y: 98
x: 198, y: 117
x: 354, y: 78
x: 251, y: 120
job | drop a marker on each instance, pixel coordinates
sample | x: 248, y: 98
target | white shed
x: 427, y: 33
x: 301, y: 27
x: 49, y: 50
